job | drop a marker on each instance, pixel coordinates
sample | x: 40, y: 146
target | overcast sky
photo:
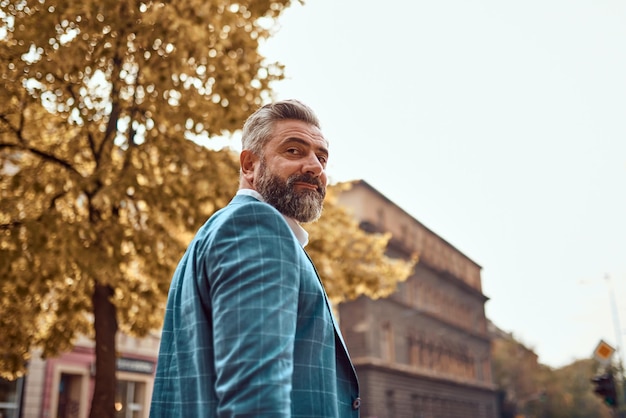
x: 501, y: 126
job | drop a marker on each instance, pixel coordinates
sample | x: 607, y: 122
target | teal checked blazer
x: 248, y: 329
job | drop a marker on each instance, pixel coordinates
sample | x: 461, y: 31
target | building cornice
x: 483, y: 337
x: 422, y: 373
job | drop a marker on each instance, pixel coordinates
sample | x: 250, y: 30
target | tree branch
x: 15, y: 224
x: 43, y: 155
x: 10, y: 225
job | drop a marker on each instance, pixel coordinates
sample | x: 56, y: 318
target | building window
x: 416, y: 352
x: 391, y: 404
x: 129, y: 399
x: 380, y: 215
x: 417, y: 407
x: 412, y: 292
x: 387, y: 344
x: 10, y: 394
x: 410, y: 342
x: 70, y: 388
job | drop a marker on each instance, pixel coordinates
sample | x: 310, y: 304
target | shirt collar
x: 301, y: 235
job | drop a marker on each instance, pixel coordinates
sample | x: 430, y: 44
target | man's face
x: 291, y: 174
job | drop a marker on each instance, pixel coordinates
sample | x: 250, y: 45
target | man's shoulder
x: 241, y: 204
x: 247, y: 221
x: 244, y: 209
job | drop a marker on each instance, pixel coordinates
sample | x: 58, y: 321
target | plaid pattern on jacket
x: 248, y: 330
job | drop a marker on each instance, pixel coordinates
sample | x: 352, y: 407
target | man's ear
x: 248, y: 161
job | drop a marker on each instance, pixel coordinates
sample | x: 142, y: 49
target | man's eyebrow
x: 305, y: 143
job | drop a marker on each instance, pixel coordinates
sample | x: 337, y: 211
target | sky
x: 498, y: 124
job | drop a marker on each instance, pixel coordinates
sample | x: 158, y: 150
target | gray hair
x: 258, y: 128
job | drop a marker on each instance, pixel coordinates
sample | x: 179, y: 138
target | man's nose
x: 312, y: 165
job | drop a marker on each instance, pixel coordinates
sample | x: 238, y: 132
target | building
x: 62, y: 387
x: 11, y: 397
x: 423, y: 352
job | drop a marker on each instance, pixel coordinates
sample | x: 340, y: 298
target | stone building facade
x: 423, y: 352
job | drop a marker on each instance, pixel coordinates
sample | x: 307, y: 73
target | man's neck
x: 251, y: 192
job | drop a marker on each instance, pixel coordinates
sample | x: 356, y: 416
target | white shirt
x: 301, y: 235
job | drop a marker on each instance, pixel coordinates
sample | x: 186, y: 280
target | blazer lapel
x: 332, y: 316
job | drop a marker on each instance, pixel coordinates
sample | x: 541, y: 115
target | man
x: 248, y: 330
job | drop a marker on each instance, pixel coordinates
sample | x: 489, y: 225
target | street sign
x: 603, y: 352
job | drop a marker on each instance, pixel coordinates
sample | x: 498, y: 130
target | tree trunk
x: 105, y: 324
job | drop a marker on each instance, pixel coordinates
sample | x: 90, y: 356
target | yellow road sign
x: 603, y: 352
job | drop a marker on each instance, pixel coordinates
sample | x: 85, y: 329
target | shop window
x: 10, y: 393
x: 130, y: 399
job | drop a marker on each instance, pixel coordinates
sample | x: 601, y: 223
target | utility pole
x: 619, y: 411
x: 616, y: 323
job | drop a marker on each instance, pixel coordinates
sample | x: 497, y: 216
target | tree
x: 534, y: 390
x: 572, y: 392
x: 516, y: 372
x: 100, y: 187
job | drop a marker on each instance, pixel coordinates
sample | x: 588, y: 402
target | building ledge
x: 422, y: 373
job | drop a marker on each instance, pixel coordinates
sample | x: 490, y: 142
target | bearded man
x: 248, y: 328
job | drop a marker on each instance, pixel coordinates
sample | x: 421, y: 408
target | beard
x: 302, y: 205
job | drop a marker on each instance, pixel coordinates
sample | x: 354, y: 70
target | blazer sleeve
x: 254, y: 283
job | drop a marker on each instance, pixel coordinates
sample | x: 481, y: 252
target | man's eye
x: 323, y: 159
x: 294, y: 151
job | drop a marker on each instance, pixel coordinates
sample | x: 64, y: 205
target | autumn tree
x: 100, y: 185
x: 101, y: 188
x: 516, y: 371
x: 570, y: 392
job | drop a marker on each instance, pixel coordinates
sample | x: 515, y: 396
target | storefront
x: 133, y: 386
x: 62, y: 387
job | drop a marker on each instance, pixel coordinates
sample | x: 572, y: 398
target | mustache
x: 306, y: 178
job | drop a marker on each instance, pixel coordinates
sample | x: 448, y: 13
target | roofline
x: 373, y: 189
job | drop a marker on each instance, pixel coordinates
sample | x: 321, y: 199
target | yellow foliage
x: 100, y: 185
